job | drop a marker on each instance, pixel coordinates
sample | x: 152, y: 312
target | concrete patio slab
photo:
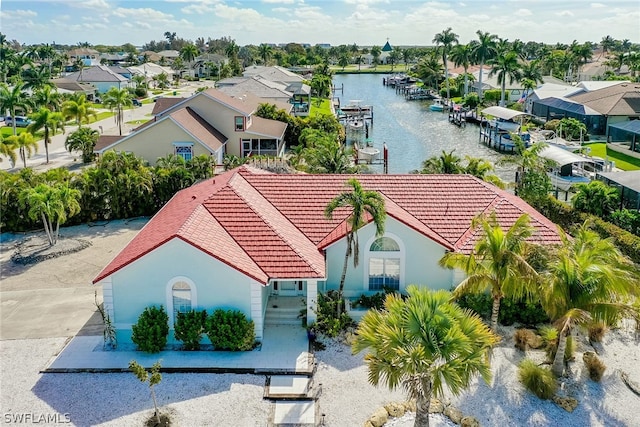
x: 288, y: 387
x: 284, y: 350
x: 299, y: 414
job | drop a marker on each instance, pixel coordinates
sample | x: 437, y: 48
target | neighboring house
x: 169, y: 55
x: 89, y: 57
x: 259, y: 87
x: 237, y: 239
x: 209, y: 122
x: 203, y: 65
x: 150, y: 70
x: 112, y: 58
x: 101, y: 76
x: 598, y: 109
x: 65, y: 85
x: 273, y: 73
x: 550, y: 90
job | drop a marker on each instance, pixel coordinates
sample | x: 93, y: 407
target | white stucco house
x: 238, y: 239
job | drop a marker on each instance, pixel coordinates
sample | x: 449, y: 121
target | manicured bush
x: 594, y: 365
x: 230, y: 330
x: 538, y: 380
x: 140, y: 92
x: 189, y: 328
x: 375, y: 301
x: 151, y: 331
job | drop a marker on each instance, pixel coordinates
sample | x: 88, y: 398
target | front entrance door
x: 289, y: 288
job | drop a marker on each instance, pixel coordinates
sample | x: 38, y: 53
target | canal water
x: 412, y: 132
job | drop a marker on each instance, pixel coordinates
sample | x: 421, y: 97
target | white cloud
x: 278, y: 1
x: 91, y: 4
x: 21, y: 13
x: 197, y: 9
x: 148, y: 13
x: 597, y: 5
x: 523, y: 12
x: 566, y: 13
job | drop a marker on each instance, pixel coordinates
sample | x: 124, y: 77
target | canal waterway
x: 412, y: 132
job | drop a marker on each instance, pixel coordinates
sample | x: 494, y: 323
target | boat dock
x: 354, y: 111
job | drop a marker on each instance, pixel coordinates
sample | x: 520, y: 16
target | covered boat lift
x: 570, y: 169
x: 497, y: 133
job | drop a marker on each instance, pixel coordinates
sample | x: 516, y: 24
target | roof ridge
x: 247, y: 192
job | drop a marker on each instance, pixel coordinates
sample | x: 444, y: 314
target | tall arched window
x: 384, y: 264
x: 181, y: 298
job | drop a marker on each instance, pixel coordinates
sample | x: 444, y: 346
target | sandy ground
x: 36, y: 324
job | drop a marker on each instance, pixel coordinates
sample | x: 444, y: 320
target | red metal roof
x: 272, y: 226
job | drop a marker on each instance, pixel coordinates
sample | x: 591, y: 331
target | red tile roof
x: 272, y: 226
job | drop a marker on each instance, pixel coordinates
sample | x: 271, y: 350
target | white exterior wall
x: 419, y: 261
x: 144, y: 283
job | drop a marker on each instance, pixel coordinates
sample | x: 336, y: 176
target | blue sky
x: 364, y: 22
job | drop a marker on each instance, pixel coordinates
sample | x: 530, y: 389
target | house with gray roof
x: 100, y: 76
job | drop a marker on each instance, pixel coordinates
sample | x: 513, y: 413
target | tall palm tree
x: 48, y: 97
x: 189, y: 52
x: 357, y: 202
x: 461, y: 55
x: 12, y: 99
x: 376, y: 51
x: 483, y: 51
x: 429, y: 69
x: 265, y: 52
x: 50, y: 122
x: 78, y: 108
x: 116, y: 99
x: 26, y: 145
x: 607, y: 43
x: 446, y: 38
x: 588, y: 280
x: 496, y: 263
x: 423, y: 344
x: 505, y: 66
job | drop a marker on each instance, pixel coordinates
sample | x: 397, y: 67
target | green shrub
x: 549, y: 336
x: 230, y: 330
x: 140, y: 92
x: 628, y: 243
x: 536, y: 379
x: 595, y: 366
x: 151, y: 331
x: 189, y: 328
x: 511, y: 311
x: 328, y: 323
x: 375, y: 301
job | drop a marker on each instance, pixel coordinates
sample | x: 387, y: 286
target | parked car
x: 137, y: 103
x: 21, y: 121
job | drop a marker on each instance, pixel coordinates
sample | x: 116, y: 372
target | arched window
x: 181, y: 298
x: 384, y: 264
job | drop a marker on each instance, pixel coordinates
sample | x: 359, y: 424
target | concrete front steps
x: 284, y: 311
x: 295, y: 401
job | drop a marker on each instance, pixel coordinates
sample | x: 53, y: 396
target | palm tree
x: 376, y: 51
x: 483, y: 51
x: 447, y: 163
x: 12, y: 99
x: 446, y: 38
x: 505, y: 66
x: 83, y: 140
x: 532, y: 180
x: 78, y: 108
x: 588, y: 280
x: 607, y: 43
x: 49, y: 121
x: 461, y: 54
x: 26, y: 145
x: 429, y: 69
x: 265, y: 52
x: 326, y: 155
x: 422, y: 344
x: 357, y: 202
x: 189, y: 52
x: 8, y: 149
x: 596, y: 198
x: 116, y: 99
x: 496, y: 262
x: 48, y: 97
x: 53, y: 204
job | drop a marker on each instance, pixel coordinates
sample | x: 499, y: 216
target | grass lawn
x: 623, y: 161
x: 317, y: 109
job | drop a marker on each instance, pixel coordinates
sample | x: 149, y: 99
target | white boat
x: 570, y: 168
x: 367, y: 154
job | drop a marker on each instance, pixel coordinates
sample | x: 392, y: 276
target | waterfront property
x: 498, y: 131
x: 245, y: 236
x: 209, y: 122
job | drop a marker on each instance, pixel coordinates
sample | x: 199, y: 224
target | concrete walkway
x: 284, y: 349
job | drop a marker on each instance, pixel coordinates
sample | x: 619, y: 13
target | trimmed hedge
x: 151, y: 331
x: 189, y: 328
x: 230, y: 330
